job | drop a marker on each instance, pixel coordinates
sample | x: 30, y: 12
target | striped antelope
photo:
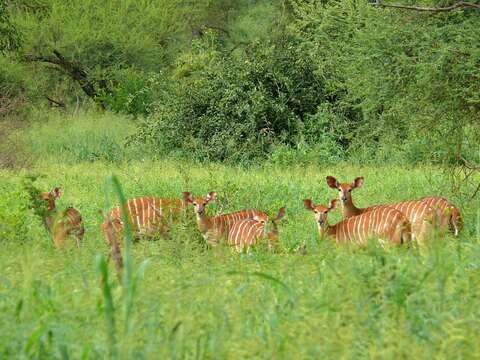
x: 61, y: 224
x: 146, y: 215
x: 384, y: 222
x: 422, y: 217
x: 450, y: 214
x: 247, y: 232
x: 216, y: 227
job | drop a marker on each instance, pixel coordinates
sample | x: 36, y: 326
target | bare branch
x: 73, y: 70
x: 456, y: 6
x: 468, y: 164
x: 56, y: 103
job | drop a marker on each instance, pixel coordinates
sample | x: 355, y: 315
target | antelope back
x: 383, y: 222
x: 449, y: 214
x: 148, y: 214
x: 420, y: 214
x: 245, y: 233
x: 73, y: 216
x: 227, y: 220
x: 64, y: 224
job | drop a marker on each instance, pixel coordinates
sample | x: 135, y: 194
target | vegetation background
x: 258, y: 100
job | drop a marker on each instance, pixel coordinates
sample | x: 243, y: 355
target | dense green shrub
x: 237, y: 107
x: 17, y: 224
x: 414, y: 77
x: 245, y: 80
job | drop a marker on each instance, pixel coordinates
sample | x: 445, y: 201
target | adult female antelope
x: 247, y: 232
x: 423, y: 217
x: 384, y: 222
x: 216, y: 227
x: 61, y: 224
x: 146, y: 216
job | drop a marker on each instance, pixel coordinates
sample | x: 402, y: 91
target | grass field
x: 187, y: 301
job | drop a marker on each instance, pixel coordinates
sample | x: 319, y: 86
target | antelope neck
x: 203, y: 221
x: 349, y: 209
x: 327, y: 231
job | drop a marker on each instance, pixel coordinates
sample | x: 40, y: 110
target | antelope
x: 422, y: 217
x: 383, y: 222
x: 247, y: 232
x: 449, y: 213
x: 146, y: 216
x: 216, y: 227
x: 111, y: 228
x: 61, y: 224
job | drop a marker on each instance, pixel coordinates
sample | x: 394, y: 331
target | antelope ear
x: 333, y: 204
x: 57, y: 192
x: 281, y: 214
x: 332, y: 182
x: 307, y: 203
x: 358, y: 182
x: 212, y: 195
x: 187, y: 196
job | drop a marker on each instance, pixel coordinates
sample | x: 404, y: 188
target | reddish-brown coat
x: 62, y: 224
x: 384, y: 222
x: 422, y: 216
x: 449, y: 213
x: 216, y: 227
x: 247, y: 232
x: 146, y: 215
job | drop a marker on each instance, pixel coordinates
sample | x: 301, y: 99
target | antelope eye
x: 194, y: 204
x: 315, y: 211
x: 325, y: 212
x: 350, y: 190
x: 339, y: 189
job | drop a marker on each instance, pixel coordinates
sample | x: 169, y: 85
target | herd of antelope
x: 396, y: 223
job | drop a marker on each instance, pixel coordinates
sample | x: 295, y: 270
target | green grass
x: 85, y: 137
x: 191, y: 302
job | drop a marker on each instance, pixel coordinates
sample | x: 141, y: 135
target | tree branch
x: 457, y: 5
x: 56, y: 103
x: 75, y: 71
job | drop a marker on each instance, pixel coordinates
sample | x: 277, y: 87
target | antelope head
x: 50, y: 197
x: 345, y: 189
x: 320, y: 212
x: 199, y: 203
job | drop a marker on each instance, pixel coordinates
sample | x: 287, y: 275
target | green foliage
x: 246, y: 80
x: 35, y: 202
x: 332, y: 302
x: 86, y: 137
x: 236, y: 108
x: 9, y: 37
x: 413, y: 76
x: 16, y: 225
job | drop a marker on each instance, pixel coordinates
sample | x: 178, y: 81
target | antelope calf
x: 146, y: 216
x: 61, y: 224
x: 383, y: 222
x: 111, y: 229
x: 247, y: 232
x: 422, y: 217
x: 215, y: 228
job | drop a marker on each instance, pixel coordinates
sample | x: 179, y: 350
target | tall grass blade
x: 109, y: 308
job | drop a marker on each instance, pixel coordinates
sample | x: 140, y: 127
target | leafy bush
x: 17, y: 224
x: 413, y: 77
x: 237, y: 107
